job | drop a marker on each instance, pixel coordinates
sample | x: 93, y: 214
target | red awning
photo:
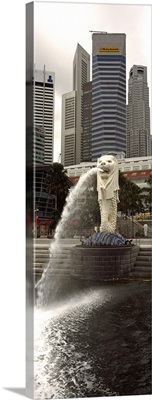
x: 47, y: 222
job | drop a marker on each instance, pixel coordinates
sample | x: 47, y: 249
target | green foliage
x: 55, y: 218
x: 86, y: 212
x: 129, y: 196
x: 57, y: 183
x: 147, y: 193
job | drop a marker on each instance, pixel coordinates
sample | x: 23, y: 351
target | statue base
x: 104, y: 256
x: 106, y: 239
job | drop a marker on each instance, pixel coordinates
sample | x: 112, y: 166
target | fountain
x: 50, y: 281
x: 89, y: 345
x: 105, y: 255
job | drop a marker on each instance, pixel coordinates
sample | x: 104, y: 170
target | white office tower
x: 72, y: 110
x: 68, y: 129
x: 138, y: 113
x: 44, y: 108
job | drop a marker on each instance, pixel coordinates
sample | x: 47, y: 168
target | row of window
x: 112, y: 104
x: 112, y: 81
x: 107, y: 129
x: 108, y: 57
x: 109, y: 121
x: 110, y: 125
x: 96, y: 154
x: 110, y: 113
x: 99, y: 91
x: 101, y: 137
x: 42, y: 84
x: 108, y: 75
x: 108, y: 68
x: 108, y: 85
x: 111, y: 100
x: 103, y: 67
x: 116, y: 139
x: 115, y: 97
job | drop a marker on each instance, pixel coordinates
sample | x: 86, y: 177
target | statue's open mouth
x: 104, y: 170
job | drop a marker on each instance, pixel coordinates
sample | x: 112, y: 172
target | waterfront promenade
x: 142, y: 268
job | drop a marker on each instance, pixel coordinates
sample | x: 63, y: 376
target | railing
x: 139, y: 225
x: 132, y: 228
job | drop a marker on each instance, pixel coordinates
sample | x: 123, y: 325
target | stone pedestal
x: 105, y: 263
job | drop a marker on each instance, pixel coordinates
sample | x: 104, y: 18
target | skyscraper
x: 138, y: 113
x: 108, y: 93
x: 44, y: 108
x: 87, y: 122
x: 38, y: 145
x: 68, y: 128
x: 81, y: 75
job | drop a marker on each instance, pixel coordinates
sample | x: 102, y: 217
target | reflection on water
x: 97, y: 344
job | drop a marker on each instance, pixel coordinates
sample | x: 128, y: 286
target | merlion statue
x: 108, y: 187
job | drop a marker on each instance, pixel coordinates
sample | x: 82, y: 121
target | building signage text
x: 108, y: 49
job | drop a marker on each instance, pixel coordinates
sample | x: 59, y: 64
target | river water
x: 95, y: 343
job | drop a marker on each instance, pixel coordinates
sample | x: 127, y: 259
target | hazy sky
x: 58, y: 27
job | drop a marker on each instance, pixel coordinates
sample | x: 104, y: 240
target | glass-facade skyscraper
x: 108, y: 93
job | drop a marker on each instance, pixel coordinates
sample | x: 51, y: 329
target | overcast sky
x: 58, y: 27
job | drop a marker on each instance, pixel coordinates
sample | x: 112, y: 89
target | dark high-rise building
x: 87, y: 122
x: 138, y: 113
x: 108, y: 93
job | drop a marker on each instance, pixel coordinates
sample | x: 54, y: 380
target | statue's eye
x: 109, y: 161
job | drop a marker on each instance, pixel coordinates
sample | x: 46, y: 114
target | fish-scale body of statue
x: 108, y: 187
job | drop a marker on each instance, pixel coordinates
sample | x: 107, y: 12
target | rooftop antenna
x: 98, y: 31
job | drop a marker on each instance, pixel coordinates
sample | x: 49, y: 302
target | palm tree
x: 130, y: 196
x: 58, y: 183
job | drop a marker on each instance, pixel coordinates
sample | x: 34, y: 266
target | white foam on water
x: 49, y: 334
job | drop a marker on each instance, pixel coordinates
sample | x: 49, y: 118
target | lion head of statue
x: 107, y: 165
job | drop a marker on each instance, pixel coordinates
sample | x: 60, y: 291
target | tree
x: 55, y: 218
x: 147, y: 193
x: 58, y: 183
x: 129, y: 196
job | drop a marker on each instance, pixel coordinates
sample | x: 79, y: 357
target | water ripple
x: 97, y: 345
